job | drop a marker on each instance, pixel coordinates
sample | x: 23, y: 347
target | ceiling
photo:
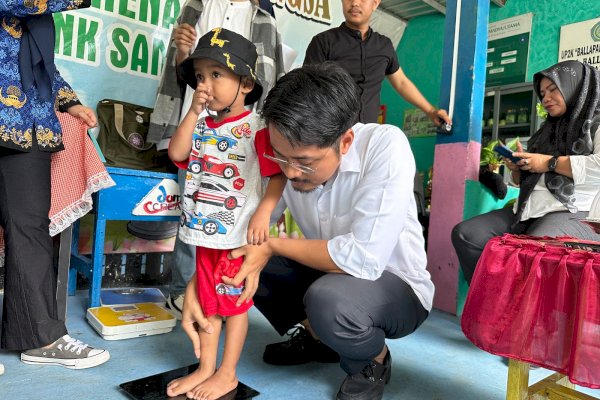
x: 407, y: 9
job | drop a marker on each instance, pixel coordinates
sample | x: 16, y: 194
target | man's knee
x: 332, y: 312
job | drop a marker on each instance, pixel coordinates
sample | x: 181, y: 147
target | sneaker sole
x: 78, y: 363
x: 173, y: 309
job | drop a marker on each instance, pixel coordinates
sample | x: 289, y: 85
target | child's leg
x: 225, y: 379
x: 209, y: 345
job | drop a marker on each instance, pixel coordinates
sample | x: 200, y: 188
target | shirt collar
x: 351, y: 160
x: 355, y: 33
x: 210, y: 122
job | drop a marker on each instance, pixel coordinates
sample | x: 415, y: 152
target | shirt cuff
x: 351, y: 259
x: 578, y: 169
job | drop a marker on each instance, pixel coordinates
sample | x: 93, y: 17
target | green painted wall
x: 420, y: 57
x: 420, y: 53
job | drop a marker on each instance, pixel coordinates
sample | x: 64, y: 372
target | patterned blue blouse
x: 23, y: 114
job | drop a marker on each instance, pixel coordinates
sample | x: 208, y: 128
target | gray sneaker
x: 66, y: 352
x: 175, y: 305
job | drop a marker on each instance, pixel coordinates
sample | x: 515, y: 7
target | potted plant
x: 489, y: 167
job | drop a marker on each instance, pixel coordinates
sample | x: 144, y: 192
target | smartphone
x: 506, y: 152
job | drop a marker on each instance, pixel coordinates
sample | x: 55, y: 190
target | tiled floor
x: 434, y: 363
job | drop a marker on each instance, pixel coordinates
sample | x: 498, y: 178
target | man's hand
x: 193, y: 320
x: 83, y: 113
x: 184, y: 38
x: 438, y: 116
x: 255, y: 259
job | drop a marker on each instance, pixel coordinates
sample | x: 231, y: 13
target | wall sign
x: 581, y: 41
x: 508, y: 50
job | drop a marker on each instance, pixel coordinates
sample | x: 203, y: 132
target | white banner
x: 116, y: 49
x: 299, y: 20
x: 581, y: 41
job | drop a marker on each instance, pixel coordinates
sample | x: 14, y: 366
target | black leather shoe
x: 300, y: 348
x: 369, y: 383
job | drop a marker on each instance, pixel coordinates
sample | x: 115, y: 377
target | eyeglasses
x: 302, y: 168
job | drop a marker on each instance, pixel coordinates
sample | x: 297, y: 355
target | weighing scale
x: 155, y: 387
x: 130, y: 320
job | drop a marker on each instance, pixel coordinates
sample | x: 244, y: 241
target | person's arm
x: 380, y: 204
x: 258, y: 227
x: 586, y: 169
x: 193, y: 320
x: 583, y: 169
x: 538, y: 163
x: 316, y: 52
x: 312, y: 253
x: 184, y: 37
x: 24, y: 8
x: 410, y: 93
x: 65, y: 95
x: 85, y: 114
x: 181, y: 142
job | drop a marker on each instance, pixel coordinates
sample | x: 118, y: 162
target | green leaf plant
x: 490, y: 158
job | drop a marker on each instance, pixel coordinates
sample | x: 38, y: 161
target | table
x: 118, y: 203
x: 535, y: 301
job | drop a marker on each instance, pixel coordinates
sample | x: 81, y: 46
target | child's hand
x: 201, y: 98
x: 258, y: 228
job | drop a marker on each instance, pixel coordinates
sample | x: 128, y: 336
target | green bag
x: 122, y: 136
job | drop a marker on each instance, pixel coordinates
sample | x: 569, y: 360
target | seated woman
x: 558, y: 176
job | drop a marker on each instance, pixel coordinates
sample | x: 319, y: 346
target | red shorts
x: 216, y: 297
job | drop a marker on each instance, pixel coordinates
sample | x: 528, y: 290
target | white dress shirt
x: 367, y: 211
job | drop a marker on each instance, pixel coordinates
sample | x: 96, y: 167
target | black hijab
x: 36, y: 54
x: 568, y: 134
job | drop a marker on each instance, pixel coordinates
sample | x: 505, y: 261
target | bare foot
x: 182, y: 385
x: 214, y: 387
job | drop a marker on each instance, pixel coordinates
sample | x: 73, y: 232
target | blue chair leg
x: 97, y: 262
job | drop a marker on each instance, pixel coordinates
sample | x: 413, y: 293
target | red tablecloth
x: 77, y: 172
x: 538, y: 303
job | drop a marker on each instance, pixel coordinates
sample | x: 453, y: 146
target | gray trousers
x: 184, y: 254
x: 352, y: 316
x: 470, y: 237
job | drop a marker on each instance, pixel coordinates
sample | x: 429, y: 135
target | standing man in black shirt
x: 369, y: 57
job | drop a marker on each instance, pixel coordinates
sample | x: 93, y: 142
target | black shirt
x: 368, y: 61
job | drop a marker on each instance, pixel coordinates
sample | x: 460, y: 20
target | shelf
x: 513, y: 100
x: 513, y: 126
x: 524, y: 125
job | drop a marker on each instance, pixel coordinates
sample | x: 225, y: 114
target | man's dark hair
x: 313, y: 105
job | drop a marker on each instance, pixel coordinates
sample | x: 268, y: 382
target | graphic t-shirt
x: 224, y: 180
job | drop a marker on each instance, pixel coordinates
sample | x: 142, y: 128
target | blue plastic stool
x: 114, y: 203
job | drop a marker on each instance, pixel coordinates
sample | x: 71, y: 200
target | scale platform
x: 127, y: 321
x: 155, y: 387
